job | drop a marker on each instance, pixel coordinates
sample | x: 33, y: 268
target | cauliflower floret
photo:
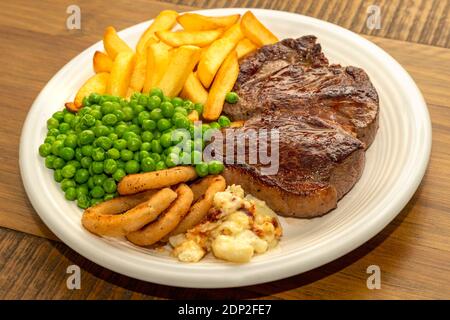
x: 227, y: 202
x: 231, y: 249
x: 258, y: 244
x: 189, y: 251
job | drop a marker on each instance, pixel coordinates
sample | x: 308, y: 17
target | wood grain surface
x: 413, y: 252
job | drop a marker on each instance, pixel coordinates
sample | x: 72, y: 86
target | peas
x: 177, y: 102
x: 157, y: 92
x: 67, y: 153
x: 147, y: 136
x: 172, y: 160
x: 164, y: 124
x: 196, y: 157
x: 58, y: 115
x: 101, y: 130
x: 68, y: 118
x: 113, y: 153
x: 134, y: 144
x: 86, y: 137
x: 98, y: 154
x: 153, y: 102
x: 49, y: 140
x: 107, y: 107
x: 97, y: 192
x: 120, y: 130
x: 82, y: 190
x: 52, y: 123
x: 214, y: 125
x: 215, y: 167
x: 53, y: 132
x: 99, y: 179
x: 156, y: 114
x: 49, y: 161
x: 57, y: 175
x: 71, y: 141
x: 58, y: 163
x: 147, y: 164
x: 156, y: 146
x: 232, y: 97
x: 202, y: 169
x: 199, y: 108
x: 119, y: 114
x: 120, y: 144
x: 128, y: 113
x: 119, y: 174
x: 132, y: 166
x: 167, y: 109
x: 97, y: 167
x: 110, y: 166
x: 94, y: 98
x: 81, y: 176
x: 160, y: 165
x: 87, y: 150
x: 104, y: 142
x: 148, y: 125
x: 109, y: 185
x: 64, y: 127
x: 45, y: 149
x: 112, y: 136
x: 108, y: 197
x: 71, y: 194
x: 83, y: 201
x: 144, y: 115
x: 166, y: 140
x: 86, y: 162
x: 126, y: 155
x: 109, y: 119
x: 75, y: 163
x: 68, y: 171
x: 56, y: 147
x: 224, y: 121
x: 182, y: 122
x: 67, y: 183
x: 87, y: 121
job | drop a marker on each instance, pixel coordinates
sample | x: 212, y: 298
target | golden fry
x: 193, y: 116
x: 217, y: 52
x: 138, y: 76
x: 113, y: 44
x: 198, y: 22
x: 237, y: 124
x: 168, y: 221
x: 95, y: 84
x: 182, y: 63
x: 101, y: 62
x: 194, y: 38
x: 200, y: 208
x: 121, y: 74
x: 134, y: 183
x: 194, y: 90
x: 122, y: 215
x: 165, y: 21
x: 158, y: 57
x: 223, y: 83
x: 256, y: 31
x: 244, y: 47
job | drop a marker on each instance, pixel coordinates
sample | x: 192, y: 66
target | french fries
x: 109, y: 219
x: 155, y: 231
x: 193, y: 116
x: 198, y: 22
x: 182, y: 63
x: 194, y: 38
x: 121, y: 73
x: 101, y: 62
x: 165, y: 20
x: 237, y: 124
x: 134, y: 183
x: 244, y: 47
x: 113, y: 44
x: 223, y: 83
x: 158, y: 57
x: 138, y: 76
x: 213, y: 58
x: 256, y: 31
x: 193, y: 90
x: 95, y: 84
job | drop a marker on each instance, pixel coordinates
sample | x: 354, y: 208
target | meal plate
x: 395, y: 165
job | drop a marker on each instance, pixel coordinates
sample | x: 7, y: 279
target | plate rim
x: 171, y: 277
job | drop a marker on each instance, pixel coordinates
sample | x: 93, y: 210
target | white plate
x: 395, y: 166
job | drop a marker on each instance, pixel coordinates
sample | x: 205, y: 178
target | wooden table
x: 413, y: 252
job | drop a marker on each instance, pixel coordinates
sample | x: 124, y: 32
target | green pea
x: 95, y: 202
x: 188, y: 105
x: 147, y: 164
x: 177, y: 102
x: 128, y: 113
x: 45, y: 149
x: 75, y: 163
x: 52, y: 123
x: 49, y: 161
x: 136, y: 157
x: 94, y: 98
x: 166, y: 140
x: 214, y: 125
x: 143, y: 155
x: 101, y: 130
x: 134, y: 144
x: 185, y: 157
x: 67, y: 183
x: 82, y: 176
x: 87, y: 150
x: 120, y: 164
x: 113, y: 153
x: 224, y: 121
x: 49, y: 140
x: 232, y: 97
x: 56, y: 147
x: 160, y: 165
x: 98, y: 154
x: 68, y: 118
x: 67, y: 153
x: 155, y: 156
x: 132, y: 166
x: 109, y: 119
x: 97, y: 192
x: 196, y: 157
x: 109, y: 185
x: 126, y: 155
x: 146, y: 146
x: 120, y: 130
x: 202, y: 169
x: 182, y: 122
x: 120, y: 144
x: 134, y: 128
x: 156, y: 114
x: 110, y: 166
x: 199, y: 108
x: 83, y: 201
x: 58, y: 115
x: 97, y: 167
x: 164, y: 124
x: 96, y: 114
x: 112, y: 136
x: 90, y: 182
x: 143, y: 99
x: 148, y: 125
x: 68, y: 171
x: 57, y: 175
x: 86, y: 162
x: 167, y: 109
x: 153, y: 102
x: 53, y: 132
x: 119, y: 114
x: 58, y: 163
x: 156, y: 146
x: 71, y: 194
x: 62, y: 137
x: 82, y: 190
x: 172, y: 160
x: 157, y: 92
x: 86, y: 137
x: 107, y: 107
x: 129, y: 134
x: 215, y: 167
x: 99, y: 179
x: 103, y: 142
x: 119, y: 174
x: 71, y: 141
x: 147, y: 136
x: 108, y: 197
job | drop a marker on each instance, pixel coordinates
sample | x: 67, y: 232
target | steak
x: 326, y: 116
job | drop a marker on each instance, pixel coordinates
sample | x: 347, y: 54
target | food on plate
x: 134, y: 183
x: 326, y: 115
x: 168, y: 220
x: 202, y: 203
x: 95, y: 84
x: 140, y: 69
x: 122, y: 215
x: 237, y: 228
x: 198, y: 22
x: 194, y: 38
x: 194, y: 90
x: 102, y: 62
x: 254, y: 30
x: 223, y: 83
x: 217, y: 52
x: 158, y: 57
x: 245, y: 47
x: 121, y: 71
x: 113, y: 44
x: 181, y: 64
x: 193, y: 116
x: 165, y: 20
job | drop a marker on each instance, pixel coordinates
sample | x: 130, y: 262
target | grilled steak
x: 326, y: 116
